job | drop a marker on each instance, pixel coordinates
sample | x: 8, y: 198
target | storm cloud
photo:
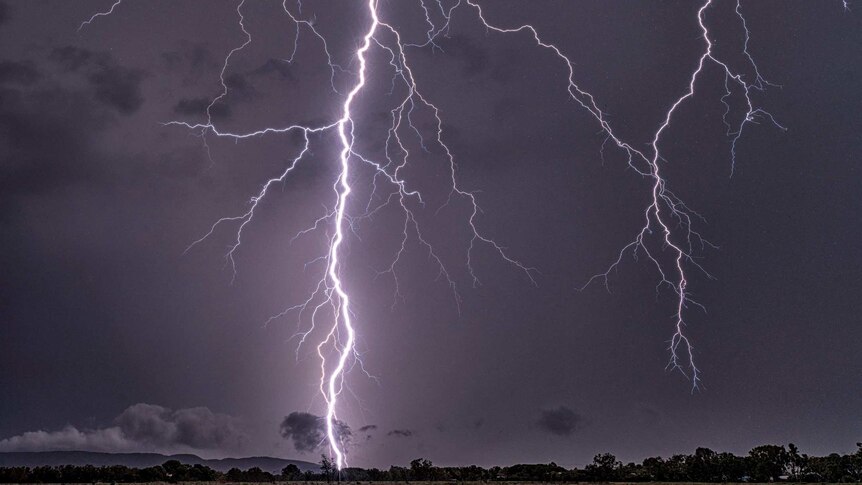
x: 308, y: 431
x: 199, y: 107
x: 140, y: 427
x: 113, y: 85
x: 196, y: 427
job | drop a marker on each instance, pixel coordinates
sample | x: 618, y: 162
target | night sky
x: 114, y: 339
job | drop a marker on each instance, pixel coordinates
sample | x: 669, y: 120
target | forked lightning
x: 667, y: 221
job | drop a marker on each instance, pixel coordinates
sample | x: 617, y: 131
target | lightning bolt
x: 330, y: 299
x: 343, y: 301
x: 667, y: 238
x: 666, y: 216
x: 100, y: 14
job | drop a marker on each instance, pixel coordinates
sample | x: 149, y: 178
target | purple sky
x: 111, y: 338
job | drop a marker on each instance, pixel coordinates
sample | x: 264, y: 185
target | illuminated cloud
x: 141, y: 427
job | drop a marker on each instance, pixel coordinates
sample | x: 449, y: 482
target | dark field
x: 451, y: 482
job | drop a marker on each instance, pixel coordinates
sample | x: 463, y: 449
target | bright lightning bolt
x: 330, y: 293
x: 343, y: 301
x: 667, y: 221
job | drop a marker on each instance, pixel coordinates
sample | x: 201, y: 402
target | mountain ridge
x: 144, y: 460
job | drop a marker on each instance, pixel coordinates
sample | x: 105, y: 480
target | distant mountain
x: 143, y: 460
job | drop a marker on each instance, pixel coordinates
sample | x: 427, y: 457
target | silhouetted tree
x: 703, y: 466
x: 420, y: 469
x: 731, y: 468
x: 763, y: 463
x: 768, y: 462
x: 234, y: 475
x: 291, y: 473
x: 398, y: 474
x: 604, y: 468
x: 656, y: 469
x: 327, y: 468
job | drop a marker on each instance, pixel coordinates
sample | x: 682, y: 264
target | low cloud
x: 560, y: 421
x: 194, y: 427
x: 308, y: 431
x: 368, y: 429
x: 141, y: 427
x: 69, y: 438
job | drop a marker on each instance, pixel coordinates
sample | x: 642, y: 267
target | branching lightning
x: 330, y: 297
x: 666, y: 216
x: 667, y: 238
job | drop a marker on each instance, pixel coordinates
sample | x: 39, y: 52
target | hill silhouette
x: 144, y: 460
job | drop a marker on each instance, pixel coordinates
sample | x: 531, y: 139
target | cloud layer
x: 140, y: 427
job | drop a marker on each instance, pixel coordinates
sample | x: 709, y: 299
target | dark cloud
x: 401, y: 433
x: 367, y: 429
x: 13, y: 72
x: 239, y: 90
x: 146, y: 422
x: 201, y: 428
x: 72, y: 58
x: 275, y: 67
x: 119, y: 87
x: 560, y: 421
x: 113, y: 84
x: 308, y: 432
x: 141, y: 427
x: 239, y: 87
x: 198, y: 107
x: 65, y: 114
x: 196, y: 427
x: 27, y: 119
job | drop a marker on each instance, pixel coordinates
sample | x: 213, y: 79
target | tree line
x: 767, y: 463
